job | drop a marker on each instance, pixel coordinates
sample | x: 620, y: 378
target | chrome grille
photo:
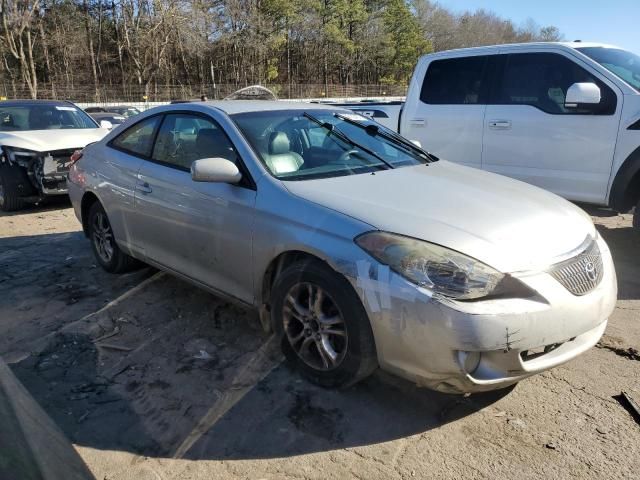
x: 582, y: 273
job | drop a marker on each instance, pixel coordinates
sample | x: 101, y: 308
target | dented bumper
x: 462, y: 347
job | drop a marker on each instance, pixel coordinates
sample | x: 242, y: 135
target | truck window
x: 541, y: 80
x: 455, y: 81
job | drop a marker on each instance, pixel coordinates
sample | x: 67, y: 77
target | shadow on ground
x: 624, y: 244
x: 52, y: 203
x: 281, y: 415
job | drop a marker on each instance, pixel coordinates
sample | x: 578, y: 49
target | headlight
x: 440, y: 269
x: 13, y: 152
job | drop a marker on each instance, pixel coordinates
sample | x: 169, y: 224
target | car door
x: 531, y: 135
x: 119, y: 175
x: 448, y: 116
x: 201, y: 230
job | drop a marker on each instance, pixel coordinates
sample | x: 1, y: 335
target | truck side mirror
x: 582, y: 95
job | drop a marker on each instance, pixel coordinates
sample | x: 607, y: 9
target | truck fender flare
x: 625, y: 188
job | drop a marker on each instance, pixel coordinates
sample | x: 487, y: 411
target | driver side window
x: 184, y: 138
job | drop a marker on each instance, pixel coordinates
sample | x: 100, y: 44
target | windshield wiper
x: 392, y: 137
x: 342, y: 136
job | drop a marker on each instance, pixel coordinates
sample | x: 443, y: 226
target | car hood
x: 48, y: 140
x: 505, y: 223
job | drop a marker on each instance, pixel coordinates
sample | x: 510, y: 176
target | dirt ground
x: 152, y: 378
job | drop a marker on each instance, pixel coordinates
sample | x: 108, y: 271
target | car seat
x: 213, y: 143
x: 280, y: 158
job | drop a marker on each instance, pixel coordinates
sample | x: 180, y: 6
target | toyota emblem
x: 590, y: 270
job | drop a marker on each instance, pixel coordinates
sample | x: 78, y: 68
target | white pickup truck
x: 562, y: 116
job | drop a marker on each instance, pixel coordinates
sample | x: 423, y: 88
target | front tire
x: 325, y: 331
x: 9, y: 194
x: 104, y: 245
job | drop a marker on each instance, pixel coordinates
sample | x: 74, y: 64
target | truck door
x: 530, y: 134
x: 446, y: 113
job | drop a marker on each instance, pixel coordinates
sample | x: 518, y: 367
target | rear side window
x: 455, y: 81
x: 138, y: 139
x: 541, y: 80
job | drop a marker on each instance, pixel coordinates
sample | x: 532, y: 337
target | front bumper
x: 460, y: 347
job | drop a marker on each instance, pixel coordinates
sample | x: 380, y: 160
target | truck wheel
x: 9, y: 194
x: 325, y: 331
x: 636, y: 216
x: 104, y: 245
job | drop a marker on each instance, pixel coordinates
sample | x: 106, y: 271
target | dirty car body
x: 468, y: 281
x: 37, y: 138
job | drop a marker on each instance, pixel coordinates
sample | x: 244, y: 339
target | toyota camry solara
x: 358, y: 248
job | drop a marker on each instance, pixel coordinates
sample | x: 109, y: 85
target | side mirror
x: 106, y: 124
x: 582, y: 94
x: 219, y: 170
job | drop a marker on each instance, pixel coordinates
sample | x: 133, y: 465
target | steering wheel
x: 347, y: 154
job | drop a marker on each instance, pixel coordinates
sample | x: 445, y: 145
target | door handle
x: 500, y: 124
x: 143, y: 187
x: 418, y: 122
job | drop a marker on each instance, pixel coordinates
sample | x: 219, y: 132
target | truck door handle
x: 143, y: 187
x: 418, y: 122
x: 500, y: 124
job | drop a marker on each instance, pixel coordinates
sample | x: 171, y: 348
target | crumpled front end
x: 470, y: 346
x: 46, y: 171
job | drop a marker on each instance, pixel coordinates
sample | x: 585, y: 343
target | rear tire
x: 103, y: 243
x: 325, y: 331
x: 636, y: 216
x: 9, y: 194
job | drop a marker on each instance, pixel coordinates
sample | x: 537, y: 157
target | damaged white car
x: 37, y: 138
x: 359, y: 248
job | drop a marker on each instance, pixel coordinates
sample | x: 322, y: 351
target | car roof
x: 21, y: 102
x: 243, y: 106
x: 517, y: 46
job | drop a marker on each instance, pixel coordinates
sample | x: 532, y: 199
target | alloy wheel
x: 314, y: 326
x: 103, y: 237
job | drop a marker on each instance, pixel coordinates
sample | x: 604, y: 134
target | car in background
x: 113, y: 118
x: 124, y: 110
x: 562, y: 116
x: 356, y: 246
x: 37, y: 139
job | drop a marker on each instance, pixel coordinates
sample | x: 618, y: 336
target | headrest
x: 279, y: 143
x: 208, y: 136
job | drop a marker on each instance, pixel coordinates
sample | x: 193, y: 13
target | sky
x: 616, y: 22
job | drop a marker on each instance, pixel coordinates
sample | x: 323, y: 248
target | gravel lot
x: 152, y: 378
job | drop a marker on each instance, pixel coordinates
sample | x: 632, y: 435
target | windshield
x: 299, y: 145
x: 42, y: 117
x: 623, y: 64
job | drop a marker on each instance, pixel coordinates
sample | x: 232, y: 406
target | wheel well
x: 632, y: 193
x: 625, y: 190
x: 87, y: 201
x: 278, y: 264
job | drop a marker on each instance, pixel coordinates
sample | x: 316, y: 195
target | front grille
x: 582, y: 273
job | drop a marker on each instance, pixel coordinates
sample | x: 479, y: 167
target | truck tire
x: 9, y: 189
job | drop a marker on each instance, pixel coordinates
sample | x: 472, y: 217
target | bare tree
x: 18, y: 18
